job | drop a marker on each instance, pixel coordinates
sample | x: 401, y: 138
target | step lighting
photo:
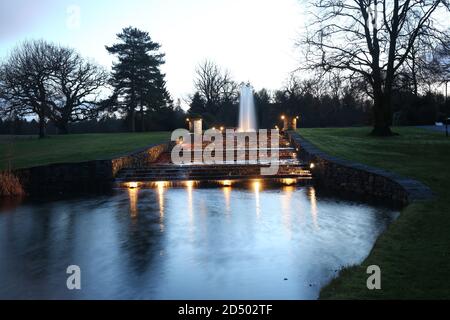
x: 132, y: 185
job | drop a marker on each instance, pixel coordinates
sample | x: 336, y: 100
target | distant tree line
x: 321, y: 100
x: 388, y: 74
x: 48, y: 86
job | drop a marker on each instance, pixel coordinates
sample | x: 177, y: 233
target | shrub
x: 10, y: 185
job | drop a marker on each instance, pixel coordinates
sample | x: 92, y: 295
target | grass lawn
x: 414, y: 253
x: 21, y: 152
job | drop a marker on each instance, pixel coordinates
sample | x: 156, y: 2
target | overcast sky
x: 253, y: 39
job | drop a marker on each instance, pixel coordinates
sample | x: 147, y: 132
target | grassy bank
x: 414, y: 253
x: 22, y: 152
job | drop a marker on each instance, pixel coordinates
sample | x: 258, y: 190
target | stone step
x: 205, y: 174
x: 211, y: 178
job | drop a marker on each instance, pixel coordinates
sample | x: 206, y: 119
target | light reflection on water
x: 185, y: 243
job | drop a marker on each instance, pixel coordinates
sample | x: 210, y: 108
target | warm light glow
x: 214, y: 128
x: 133, y: 195
x: 189, y: 187
x: 188, y: 120
x: 283, y: 117
x: 222, y: 128
x: 312, y: 166
x: 289, y: 182
x: 161, y: 185
x: 226, y: 183
x: 226, y: 193
x: 189, y: 184
x: 132, y: 185
x: 314, y: 211
x: 257, y: 188
x: 297, y: 117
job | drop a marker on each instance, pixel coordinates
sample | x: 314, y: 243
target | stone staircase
x: 164, y: 170
x: 209, y: 172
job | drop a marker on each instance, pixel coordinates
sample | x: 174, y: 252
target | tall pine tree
x: 138, y: 82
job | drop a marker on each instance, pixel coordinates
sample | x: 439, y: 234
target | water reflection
x: 313, y: 201
x: 133, y: 195
x: 189, y: 187
x: 227, y: 193
x: 161, y: 186
x: 286, y: 208
x: 185, y: 243
x: 257, y: 188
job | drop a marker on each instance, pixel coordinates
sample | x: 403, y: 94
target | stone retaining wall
x: 88, y: 176
x: 356, y: 179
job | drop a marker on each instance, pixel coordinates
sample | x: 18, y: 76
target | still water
x: 185, y: 243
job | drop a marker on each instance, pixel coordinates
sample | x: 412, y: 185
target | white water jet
x: 247, y: 115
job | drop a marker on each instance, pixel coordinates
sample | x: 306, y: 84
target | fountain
x: 247, y: 116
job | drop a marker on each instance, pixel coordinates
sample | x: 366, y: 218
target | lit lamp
x: 190, y: 124
x: 285, y: 122
x: 133, y: 185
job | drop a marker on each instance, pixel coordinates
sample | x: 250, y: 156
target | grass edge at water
x: 413, y: 253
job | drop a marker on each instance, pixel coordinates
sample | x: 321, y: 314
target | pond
x: 185, y: 243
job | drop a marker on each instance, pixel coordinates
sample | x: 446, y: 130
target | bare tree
x: 23, y: 79
x: 428, y: 63
x: 51, y: 82
x: 75, y: 84
x: 214, y: 85
x: 370, y: 38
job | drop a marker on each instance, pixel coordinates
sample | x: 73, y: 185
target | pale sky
x: 253, y: 39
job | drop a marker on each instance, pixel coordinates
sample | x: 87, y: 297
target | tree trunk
x: 42, y: 132
x: 382, y: 116
x: 132, y: 121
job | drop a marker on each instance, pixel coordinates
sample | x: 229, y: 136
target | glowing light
x: 132, y: 185
x: 133, y: 194
x: 222, y: 128
x: 226, y: 183
x: 226, y: 193
x: 257, y: 185
x: 289, y: 182
x: 213, y: 128
x: 188, y: 120
x: 312, y: 166
x: 314, y: 211
x: 161, y: 185
x: 283, y: 117
x: 257, y: 188
x: 276, y: 127
x: 189, y: 184
x: 297, y: 117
